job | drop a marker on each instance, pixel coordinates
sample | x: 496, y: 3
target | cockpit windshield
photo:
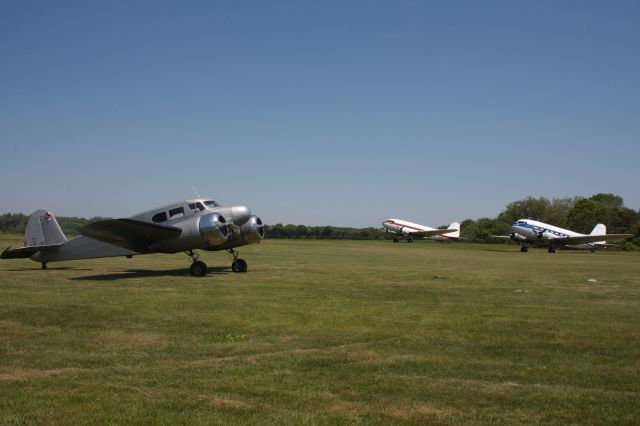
x: 211, y: 204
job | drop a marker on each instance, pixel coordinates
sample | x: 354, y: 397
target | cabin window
x: 159, y: 217
x: 176, y: 213
x: 196, y: 207
x: 211, y: 204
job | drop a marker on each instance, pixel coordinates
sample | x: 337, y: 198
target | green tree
x: 610, y: 200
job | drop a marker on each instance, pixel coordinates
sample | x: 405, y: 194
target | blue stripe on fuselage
x: 538, y: 229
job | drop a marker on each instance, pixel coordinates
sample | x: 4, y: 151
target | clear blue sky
x: 317, y: 112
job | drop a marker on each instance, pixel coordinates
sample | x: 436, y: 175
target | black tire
x: 552, y: 250
x: 409, y: 240
x: 239, y: 265
x: 198, y: 269
x: 524, y: 249
x: 395, y: 240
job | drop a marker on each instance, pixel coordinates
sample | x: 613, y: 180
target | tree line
x: 578, y: 214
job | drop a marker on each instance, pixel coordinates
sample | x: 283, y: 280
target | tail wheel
x: 198, y: 269
x: 239, y: 265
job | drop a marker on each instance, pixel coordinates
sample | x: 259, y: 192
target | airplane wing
x: 431, y: 233
x: 583, y: 239
x: 129, y: 233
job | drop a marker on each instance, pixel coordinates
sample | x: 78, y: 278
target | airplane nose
x: 240, y: 214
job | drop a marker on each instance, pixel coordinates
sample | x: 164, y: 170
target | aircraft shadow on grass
x: 145, y: 273
x: 56, y: 268
x: 574, y: 252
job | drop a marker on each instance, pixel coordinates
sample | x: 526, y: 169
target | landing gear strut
x: 197, y: 268
x: 237, y: 265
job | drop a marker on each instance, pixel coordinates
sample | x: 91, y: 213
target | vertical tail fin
x: 600, y: 229
x: 43, y: 230
x: 455, y: 227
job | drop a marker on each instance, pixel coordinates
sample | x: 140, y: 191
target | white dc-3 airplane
x: 531, y: 232
x: 194, y: 224
x: 408, y: 230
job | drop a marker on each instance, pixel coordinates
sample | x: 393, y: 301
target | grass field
x: 324, y: 332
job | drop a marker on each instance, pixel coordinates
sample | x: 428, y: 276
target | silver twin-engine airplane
x: 531, y: 232
x: 403, y: 229
x: 195, y: 224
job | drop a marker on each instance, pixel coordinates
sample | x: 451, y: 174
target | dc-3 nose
x: 519, y: 228
x: 240, y: 214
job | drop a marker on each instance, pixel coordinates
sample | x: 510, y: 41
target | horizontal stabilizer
x: 26, y: 252
x: 130, y: 233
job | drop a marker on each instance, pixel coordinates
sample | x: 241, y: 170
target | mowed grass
x: 324, y: 332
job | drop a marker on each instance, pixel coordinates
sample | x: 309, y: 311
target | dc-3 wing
x: 431, y: 233
x: 129, y: 233
x: 583, y: 239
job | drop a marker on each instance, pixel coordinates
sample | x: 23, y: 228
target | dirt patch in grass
x: 19, y: 374
x: 16, y: 329
x: 232, y: 404
x: 420, y: 411
x: 121, y: 339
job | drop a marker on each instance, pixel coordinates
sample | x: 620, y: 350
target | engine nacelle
x: 546, y: 236
x: 252, y: 231
x: 213, y: 229
x: 518, y: 238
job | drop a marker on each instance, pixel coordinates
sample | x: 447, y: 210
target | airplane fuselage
x: 533, y: 232
x: 405, y: 229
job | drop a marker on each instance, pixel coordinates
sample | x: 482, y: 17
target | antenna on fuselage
x: 196, y: 192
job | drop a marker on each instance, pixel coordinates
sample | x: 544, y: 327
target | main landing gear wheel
x: 552, y: 249
x: 395, y: 240
x: 198, y: 269
x: 237, y: 265
x: 524, y: 249
x: 44, y: 266
x: 409, y: 240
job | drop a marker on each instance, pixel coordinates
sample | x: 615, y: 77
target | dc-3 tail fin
x: 42, y: 233
x: 455, y: 226
x: 600, y: 229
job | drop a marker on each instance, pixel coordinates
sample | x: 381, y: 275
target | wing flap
x: 130, y: 233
